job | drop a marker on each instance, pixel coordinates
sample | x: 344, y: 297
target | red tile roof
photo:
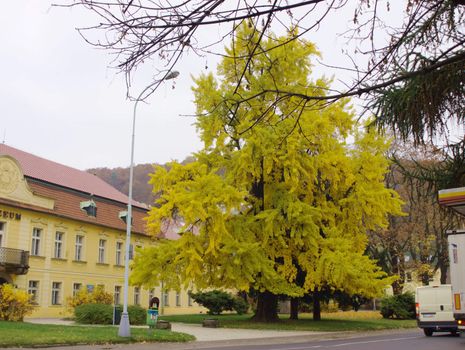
x: 67, y: 205
x: 45, y: 170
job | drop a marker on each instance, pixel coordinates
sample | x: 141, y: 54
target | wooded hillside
x: 119, y: 179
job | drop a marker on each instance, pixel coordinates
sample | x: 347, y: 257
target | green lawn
x: 362, y: 321
x: 19, y: 334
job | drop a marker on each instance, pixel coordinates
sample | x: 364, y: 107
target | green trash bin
x: 152, y: 317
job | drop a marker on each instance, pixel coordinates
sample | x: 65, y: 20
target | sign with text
x: 10, y: 215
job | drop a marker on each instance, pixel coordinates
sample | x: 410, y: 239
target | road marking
x: 304, y: 347
x: 346, y: 344
x: 371, y: 341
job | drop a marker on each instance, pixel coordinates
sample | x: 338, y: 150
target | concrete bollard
x: 163, y: 325
x: 211, y: 323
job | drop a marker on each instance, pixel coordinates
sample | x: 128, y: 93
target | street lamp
x: 124, y: 328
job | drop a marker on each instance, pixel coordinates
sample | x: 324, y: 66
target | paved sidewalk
x: 57, y: 321
x: 213, y: 334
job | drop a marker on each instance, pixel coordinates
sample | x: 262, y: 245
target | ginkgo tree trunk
x: 276, y: 189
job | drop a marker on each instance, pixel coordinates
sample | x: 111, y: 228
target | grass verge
x: 19, y: 334
x: 331, y: 322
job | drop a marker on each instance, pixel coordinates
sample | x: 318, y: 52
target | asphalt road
x: 391, y: 340
x: 414, y: 340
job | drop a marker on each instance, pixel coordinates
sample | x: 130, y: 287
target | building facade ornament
x: 10, y: 175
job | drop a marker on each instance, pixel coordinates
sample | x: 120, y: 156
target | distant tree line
x: 119, y: 179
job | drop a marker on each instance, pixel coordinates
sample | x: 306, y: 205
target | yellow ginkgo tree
x: 277, y: 201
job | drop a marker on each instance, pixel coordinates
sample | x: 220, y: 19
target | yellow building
x: 62, y: 229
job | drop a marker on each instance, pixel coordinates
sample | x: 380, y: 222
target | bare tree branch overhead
x: 137, y: 31
x: 413, y: 82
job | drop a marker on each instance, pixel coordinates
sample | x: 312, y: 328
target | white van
x: 434, y: 309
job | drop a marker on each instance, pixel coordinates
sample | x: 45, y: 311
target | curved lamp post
x: 124, y: 327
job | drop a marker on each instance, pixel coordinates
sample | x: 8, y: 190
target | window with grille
x: 36, y: 236
x: 33, y: 290
x: 119, y: 249
x: 78, y: 248
x: 409, y: 276
x: 131, y: 252
x: 56, y: 293
x: 166, y: 298
x: 117, y: 295
x: 101, y: 251
x: 76, y: 288
x: 58, y: 245
x: 136, y: 295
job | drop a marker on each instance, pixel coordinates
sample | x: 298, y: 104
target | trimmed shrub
x: 103, y: 314
x: 400, y: 306
x: 217, y: 301
x: 240, y: 305
x: 94, y: 314
x: 14, y: 303
x: 137, y: 314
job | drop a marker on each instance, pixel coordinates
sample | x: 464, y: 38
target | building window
x: 136, y: 295
x: 123, y: 215
x: 76, y: 288
x: 33, y: 290
x: 56, y: 293
x: 189, y: 298
x: 178, y: 299
x: 409, y: 276
x: 2, y: 233
x: 101, y: 251
x: 119, y: 249
x: 36, y: 235
x: 117, y: 295
x: 59, y: 245
x: 78, y: 248
x: 89, y: 207
x: 166, y: 298
x: 131, y: 252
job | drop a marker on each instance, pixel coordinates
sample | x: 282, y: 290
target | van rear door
x: 435, y: 303
x: 426, y: 300
x: 444, y: 302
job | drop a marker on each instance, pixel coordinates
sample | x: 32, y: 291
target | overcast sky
x: 59, y: 100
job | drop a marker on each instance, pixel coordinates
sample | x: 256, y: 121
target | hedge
x: 103, y: 314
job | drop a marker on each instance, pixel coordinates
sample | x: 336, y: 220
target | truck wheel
x: 428, y: 332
